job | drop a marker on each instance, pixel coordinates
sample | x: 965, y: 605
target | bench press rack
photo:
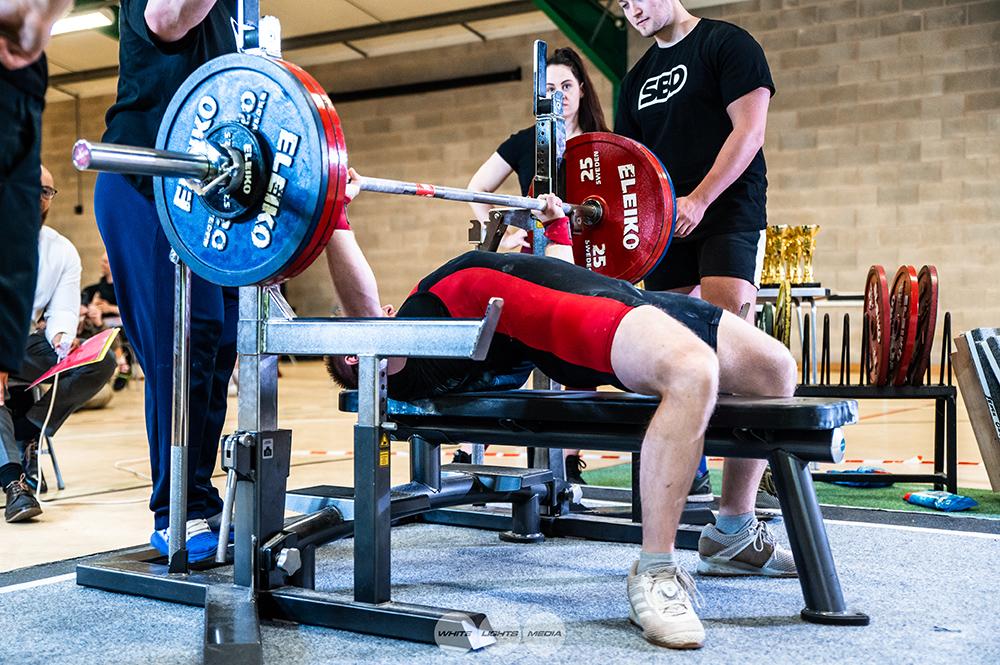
x: 274, y: 559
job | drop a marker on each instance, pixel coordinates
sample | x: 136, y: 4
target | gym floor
x: 106, y: 468
x: 921, y: 584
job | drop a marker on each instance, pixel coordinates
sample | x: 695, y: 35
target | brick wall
x: 885, y: 130
x: 59, y: 131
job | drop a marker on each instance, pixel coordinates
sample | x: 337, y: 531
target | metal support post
x: 177, y: 539
x: 810, y: 546
x: 258, y: 412
x: 425, y: 462
x: 372, y: 570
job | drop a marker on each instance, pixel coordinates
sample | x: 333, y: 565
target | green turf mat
x: 890, y: 498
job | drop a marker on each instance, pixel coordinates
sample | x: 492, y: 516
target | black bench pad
x: 731, y: 412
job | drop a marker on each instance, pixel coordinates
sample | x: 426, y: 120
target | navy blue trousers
x: 139, y: 255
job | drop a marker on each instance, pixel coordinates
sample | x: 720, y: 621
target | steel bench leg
x: 810, y: 546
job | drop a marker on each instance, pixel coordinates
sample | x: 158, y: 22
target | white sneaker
x: 201, y: 541
x: 661, y: 606
x: 753, y: 551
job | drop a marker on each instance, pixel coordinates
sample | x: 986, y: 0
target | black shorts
x: 739, y: 254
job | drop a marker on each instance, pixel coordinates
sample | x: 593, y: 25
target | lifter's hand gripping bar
x: 115, y: 158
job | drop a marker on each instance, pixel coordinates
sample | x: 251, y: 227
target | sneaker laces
x: 658, y: 581
x: 761, y: 536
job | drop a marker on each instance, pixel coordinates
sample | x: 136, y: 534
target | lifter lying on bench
x: 581, y: 328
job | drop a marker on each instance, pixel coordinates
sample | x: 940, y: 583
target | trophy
x: 790, y: 250
x: 807, y: 234
x: 788, y: 254
x: 773, y: 272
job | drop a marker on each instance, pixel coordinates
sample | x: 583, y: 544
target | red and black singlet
x: 556, y: 316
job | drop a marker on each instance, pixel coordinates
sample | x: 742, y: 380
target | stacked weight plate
x: 900, y: 318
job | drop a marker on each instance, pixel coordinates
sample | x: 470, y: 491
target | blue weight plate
x: 264, y: 234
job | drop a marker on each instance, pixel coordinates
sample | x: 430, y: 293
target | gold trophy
x: 774, y: 251
x: 790, y: 248
x: 808, y: 239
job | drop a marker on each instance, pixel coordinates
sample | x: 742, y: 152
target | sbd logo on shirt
x: 658, y: 89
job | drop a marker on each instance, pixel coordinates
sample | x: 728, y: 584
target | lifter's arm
x: 170, y: 20
x: 352, y: 275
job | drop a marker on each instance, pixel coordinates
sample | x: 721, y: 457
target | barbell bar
x: 126, y: 159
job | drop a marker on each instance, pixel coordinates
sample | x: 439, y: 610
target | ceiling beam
x: 387, y: 28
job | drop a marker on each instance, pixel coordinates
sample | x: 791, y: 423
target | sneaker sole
x: 685, y: 646
x: 738, y: 569
x: 25, y: 514
x: 700, y: 498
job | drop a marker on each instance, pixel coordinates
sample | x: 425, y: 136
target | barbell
x: 250, y: 171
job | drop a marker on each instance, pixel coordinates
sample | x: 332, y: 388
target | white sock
x: 648, y: 560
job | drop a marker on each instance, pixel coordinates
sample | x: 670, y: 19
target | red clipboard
x: 92, y: 350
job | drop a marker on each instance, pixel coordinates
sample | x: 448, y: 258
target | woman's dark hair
x: 590, y: 116
x: 343, y: 373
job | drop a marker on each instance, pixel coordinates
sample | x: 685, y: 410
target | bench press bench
x: 788, y: 432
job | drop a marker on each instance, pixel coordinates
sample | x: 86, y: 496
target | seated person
x: 581, y: 328
x: 101, y: 311
x: 102, y: 293
x: 57, y: 294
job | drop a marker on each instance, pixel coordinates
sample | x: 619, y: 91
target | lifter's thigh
x: 751, y: 362
x: 653, y: 353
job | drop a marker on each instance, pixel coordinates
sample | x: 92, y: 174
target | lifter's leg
x: 755, y: 364
x: 655, y: 355
x: 752, y: 363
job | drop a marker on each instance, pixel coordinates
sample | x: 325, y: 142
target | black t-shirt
x: 674, y: 102
x: 151, y: 71
x: 103, y: 288
x: 519, y: 153
x: 33, y: 79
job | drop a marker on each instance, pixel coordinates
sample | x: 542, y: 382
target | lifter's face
x: 387, y: 310
x: 648, y: 17
x: 560, y: 77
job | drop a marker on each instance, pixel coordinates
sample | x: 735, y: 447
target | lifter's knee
x: 691, y: 377
x: 778, y: 375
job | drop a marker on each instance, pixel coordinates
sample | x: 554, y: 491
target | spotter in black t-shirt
x: 674, y: 102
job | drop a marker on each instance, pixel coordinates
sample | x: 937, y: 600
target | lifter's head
x: 344, y: 369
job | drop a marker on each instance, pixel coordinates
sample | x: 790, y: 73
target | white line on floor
x: 45, y: 581
x: 918, y: 529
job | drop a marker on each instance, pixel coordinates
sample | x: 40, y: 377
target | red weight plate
x: 904, y: 298
x: 927, y: 288
x: 638, y: 201
x: 335, y: 160
x: 878, y: 323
